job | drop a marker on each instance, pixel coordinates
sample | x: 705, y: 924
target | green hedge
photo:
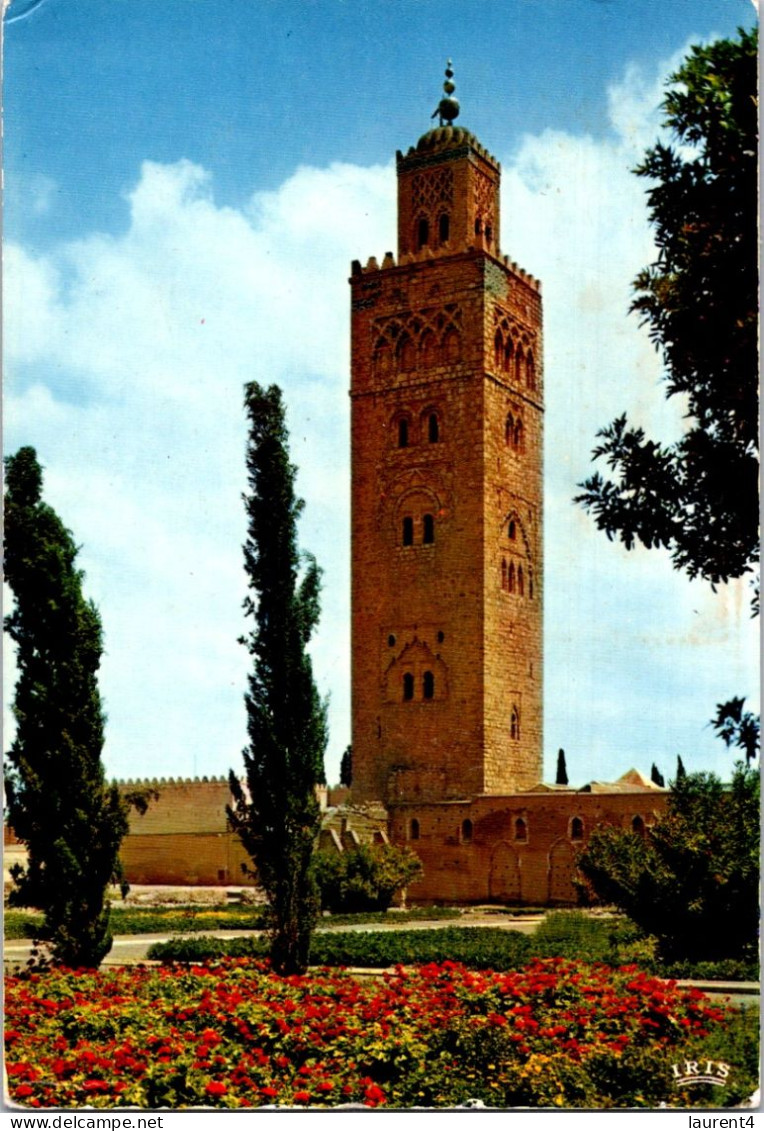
x: 562, y: 934
x: 482, y: 948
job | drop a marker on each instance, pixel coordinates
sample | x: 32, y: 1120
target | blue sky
x: 186, y: 184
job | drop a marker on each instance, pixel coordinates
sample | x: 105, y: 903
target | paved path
x: 133, y: 948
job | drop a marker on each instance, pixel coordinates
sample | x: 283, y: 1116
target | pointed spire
x: 448, y: 107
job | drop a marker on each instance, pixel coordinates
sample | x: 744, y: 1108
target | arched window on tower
x: 428, y: 685
x: 530, y: 371
x: 508, y: 349
x: 488, y: 234
x: 407, y: 354
x: 520, y: 581
x: 504, y: 573
x: 414, y: 829
x: 638, y: 826
x: 444, y: 225
x: 509, y: 430
x: 498, y: 350
x: 408, y: 686
x: 521, y: 829
x: 383, y: 358
x: 408, y: 530
x: 519, y: 439
x: 512, y: 530
x: 428, y: 529
x: 511, y: 578
x: 530, y: 583
x: 514, y: 725
x: 433, y: 428
x: 428, y: 348
x: 452, y: 346
x: 403, y: 432
x: 478, y: 225
x: 519, y: 366
x: 466, y: 831
x: 576, y: 829
x: 422, y: 233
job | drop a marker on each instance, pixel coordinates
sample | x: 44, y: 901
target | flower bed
x: 232, y: 1034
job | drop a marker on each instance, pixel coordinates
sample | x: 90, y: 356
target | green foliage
x: 364, y: 879
x: 277, y: 818
x: 482, y: 948
x: 614, y: 940
x: 737, y: 727
x: 59, y: 804
x: 692, y: 881
x: 21, y: 925
x: 346, y: 767
x: 699, y: 496
x: 199, y: 948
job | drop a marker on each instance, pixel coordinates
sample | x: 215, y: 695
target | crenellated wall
x: 183, y: 837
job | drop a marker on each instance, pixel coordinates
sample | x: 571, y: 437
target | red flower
x: 215, y: 1088
x: 302, y: 1097
x: 23, y: 1091
x: 373, y: 1096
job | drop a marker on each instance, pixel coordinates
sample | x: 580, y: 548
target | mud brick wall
x: 515, y: 849
x: 183, y: 838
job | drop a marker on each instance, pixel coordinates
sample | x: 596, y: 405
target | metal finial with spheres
x: 448, y: 107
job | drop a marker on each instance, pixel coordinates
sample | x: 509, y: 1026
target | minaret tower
x: 447, y: 410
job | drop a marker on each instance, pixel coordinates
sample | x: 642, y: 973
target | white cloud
x: 125, y: 361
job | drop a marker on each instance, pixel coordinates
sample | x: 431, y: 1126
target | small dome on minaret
x: 448, y: 107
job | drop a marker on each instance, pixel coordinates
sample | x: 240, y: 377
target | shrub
x: 693, y: 880
x: 615, y: 940
x: 366, y: 878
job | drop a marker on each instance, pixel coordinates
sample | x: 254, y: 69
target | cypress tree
x: 277, y: 817
x: 657, y: 777
x: 346, y: 767
x: 680, y: 770
x: 59, y: 803
x: 562, y: 772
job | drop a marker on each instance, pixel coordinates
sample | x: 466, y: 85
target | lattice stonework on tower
x: 484, y: 201
x: 447, y: 570
x: 430, y: 189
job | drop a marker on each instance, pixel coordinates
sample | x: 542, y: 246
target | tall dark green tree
x: 346, y: 767
x: 562, y: 771
x: 59, y: 804
x: 698, y: 497
x: 277, y: 816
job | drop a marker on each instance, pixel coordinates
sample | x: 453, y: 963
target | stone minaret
x: 447, y: 415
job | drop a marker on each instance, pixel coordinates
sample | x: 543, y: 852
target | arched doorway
x: 504, y: 882
x: 560, y: 873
